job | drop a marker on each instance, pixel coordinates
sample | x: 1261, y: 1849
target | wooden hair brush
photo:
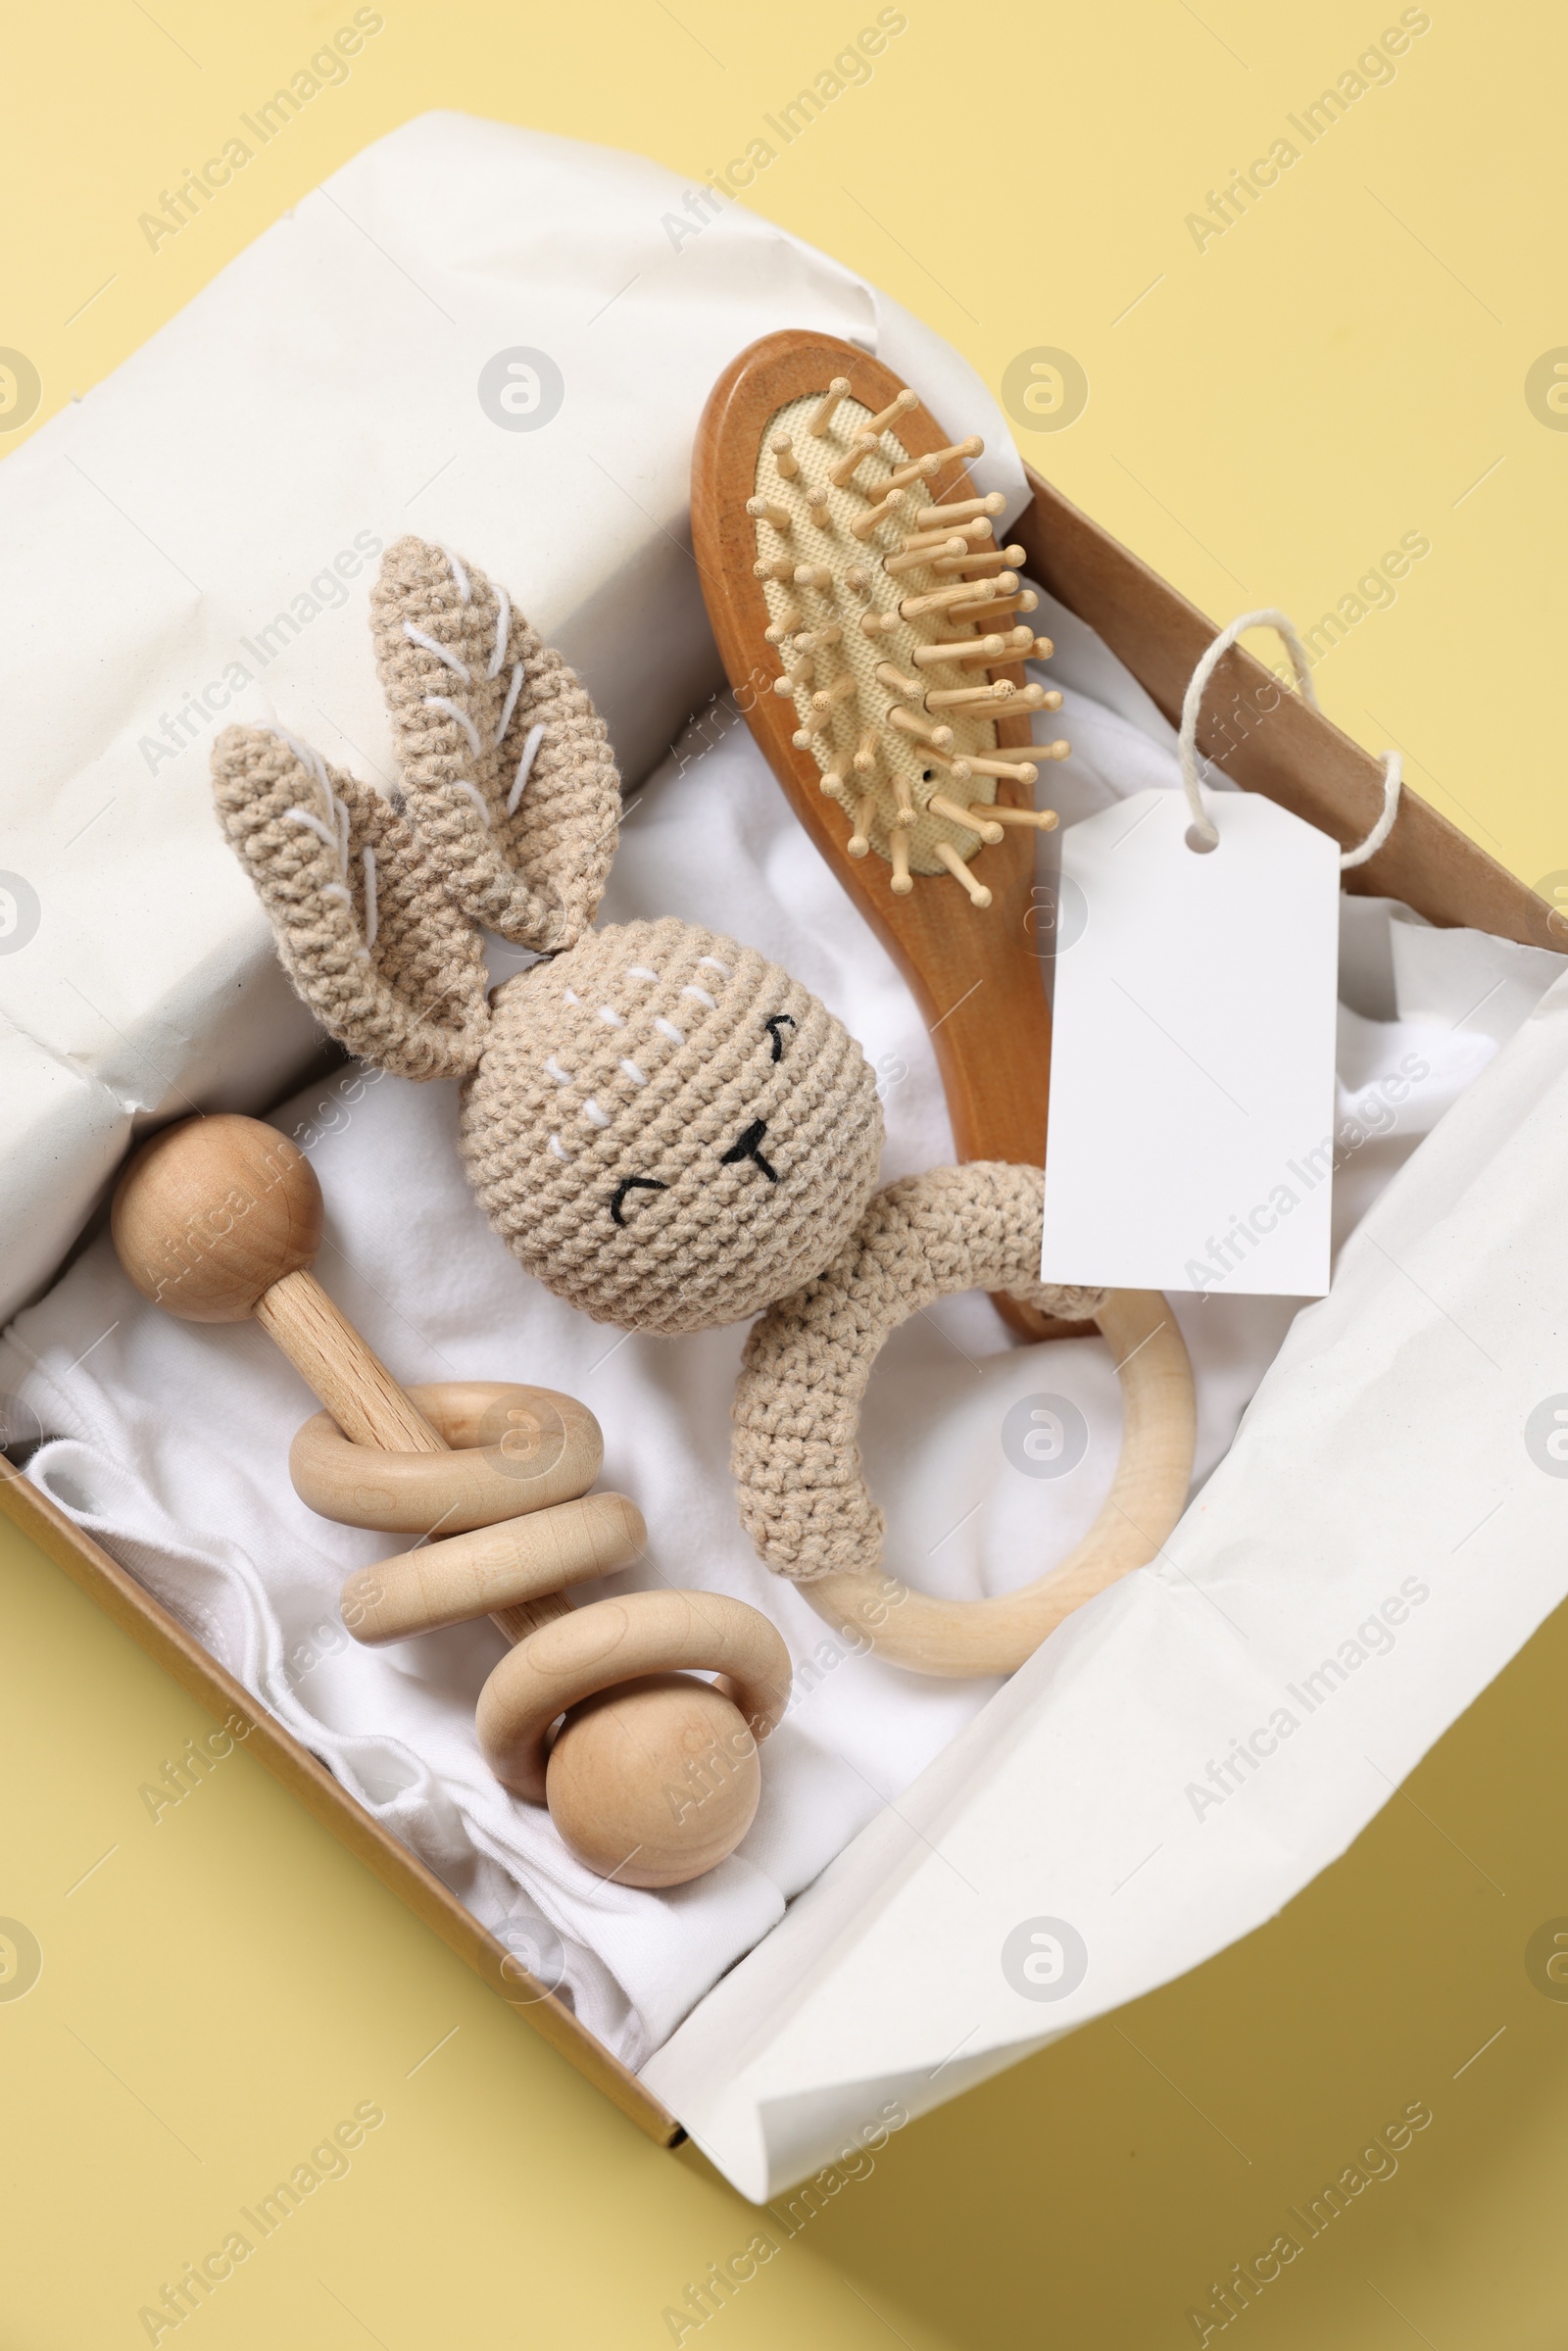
x: 874, y: 634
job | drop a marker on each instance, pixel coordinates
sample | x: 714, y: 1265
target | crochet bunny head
x: 666, y: 1129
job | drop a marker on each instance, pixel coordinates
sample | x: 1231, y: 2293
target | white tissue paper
x: 193, y: 543
x: 942, y: 1875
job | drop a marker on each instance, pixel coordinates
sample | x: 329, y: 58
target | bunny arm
x: 506, y: 765
x: 365, y: 927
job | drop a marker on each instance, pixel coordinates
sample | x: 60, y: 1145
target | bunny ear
x: 507, y: 768
x: 365, y: 927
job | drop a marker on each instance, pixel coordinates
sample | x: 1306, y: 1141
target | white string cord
x: 1192, y: 704
x: 1393, y: 778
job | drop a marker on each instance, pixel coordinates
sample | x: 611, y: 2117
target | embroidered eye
x: 631, y: 1184
x: 775, y: 1022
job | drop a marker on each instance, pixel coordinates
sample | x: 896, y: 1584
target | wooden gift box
x: 1267, y: 740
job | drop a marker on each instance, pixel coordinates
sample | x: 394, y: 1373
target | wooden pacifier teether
x: 874, y: 634
x: 653, y: 1778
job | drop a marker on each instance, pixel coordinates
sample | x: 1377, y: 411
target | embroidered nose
x: 749, y: 1146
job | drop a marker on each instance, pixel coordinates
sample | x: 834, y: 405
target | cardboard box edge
x: 1293, y: 754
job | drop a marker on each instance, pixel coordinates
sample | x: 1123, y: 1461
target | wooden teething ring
x: 798, y: 1406
x: 219, y: 1220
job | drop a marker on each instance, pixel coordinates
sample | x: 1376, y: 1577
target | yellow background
x: 1266, y: 416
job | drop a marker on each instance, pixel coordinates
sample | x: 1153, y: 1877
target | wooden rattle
x: 653, y: 1778
x: 876, y: 637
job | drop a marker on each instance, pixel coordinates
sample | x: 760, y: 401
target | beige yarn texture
x: 535, y: 877
x: 795, y: 1452
x: 660, y: 1031
x: 415, y: 1006
x: 666, y: 1128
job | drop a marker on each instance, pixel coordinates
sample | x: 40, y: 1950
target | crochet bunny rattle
x: 663, y: 1127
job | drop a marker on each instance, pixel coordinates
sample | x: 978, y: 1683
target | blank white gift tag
x: 1191, y: 1072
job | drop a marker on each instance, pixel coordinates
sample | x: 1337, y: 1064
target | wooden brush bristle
x: 887, y: 633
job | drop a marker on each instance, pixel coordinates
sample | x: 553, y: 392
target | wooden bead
x: 902, y: 881
x: 811, y: 576
x: 452, y: 1581
x: 897, y: 680
x: 784, y: 456
x: 208, y: 1213
x: 840, y: 690
x: 865, y: 753
x: 879, y: 624
x: 655, y: 1782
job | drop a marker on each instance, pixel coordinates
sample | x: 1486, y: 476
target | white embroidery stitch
x: 443, y: 653
x: 503, y: 630
x: 439, y: 701
x: 459, y: 575
x: 509, y: 705
x: 530, y: 751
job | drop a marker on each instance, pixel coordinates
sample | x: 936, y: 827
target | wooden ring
x: 1147, y: 1495
x: 617, y: 1641
x: 514, y: 1448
